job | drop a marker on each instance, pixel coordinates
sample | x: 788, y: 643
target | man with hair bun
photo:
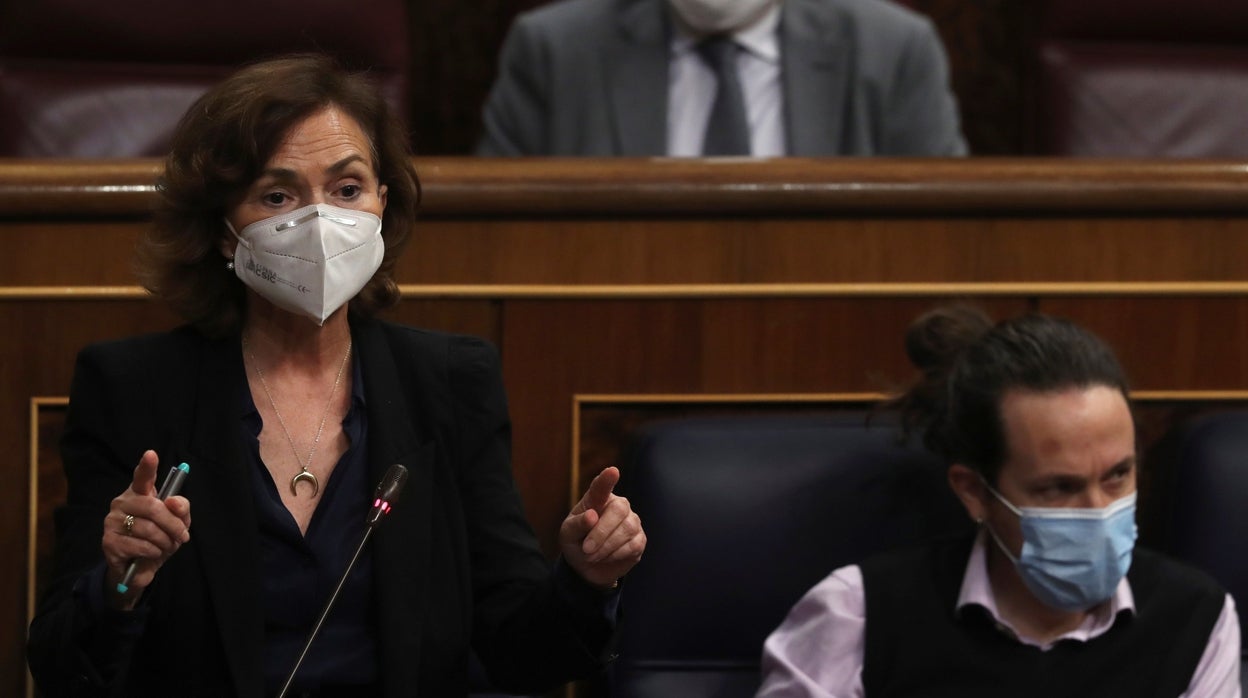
x: 1051, y: 597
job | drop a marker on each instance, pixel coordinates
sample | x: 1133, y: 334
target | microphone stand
x: 386, y: 497
x: 325, y: 612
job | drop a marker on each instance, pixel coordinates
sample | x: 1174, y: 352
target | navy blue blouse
x: 299, y: 572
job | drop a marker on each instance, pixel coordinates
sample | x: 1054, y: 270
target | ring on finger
x: 129, y: 524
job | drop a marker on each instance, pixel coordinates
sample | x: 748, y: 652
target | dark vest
x: 918, y: 645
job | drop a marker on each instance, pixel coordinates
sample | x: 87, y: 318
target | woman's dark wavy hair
x: 219, y: 149
x: 968, y: 364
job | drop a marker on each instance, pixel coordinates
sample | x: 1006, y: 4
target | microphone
x: 384, y: 499
x: 387, y: 494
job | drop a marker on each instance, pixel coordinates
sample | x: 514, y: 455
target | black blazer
x: 456, y: 564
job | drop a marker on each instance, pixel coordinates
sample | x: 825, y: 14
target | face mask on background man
x: 1073, y: 559
x: 719, y: 16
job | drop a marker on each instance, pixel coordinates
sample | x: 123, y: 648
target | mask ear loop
x: 229, y: 263
x: 230, y: 227
x: 241, y: 241
x: 1001, y: 498
x: 983, y: 523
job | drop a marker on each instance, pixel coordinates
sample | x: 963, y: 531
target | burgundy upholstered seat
x: 1140, y: 78
x: 87, y: 79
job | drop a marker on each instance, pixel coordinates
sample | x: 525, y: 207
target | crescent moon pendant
x: 304, y: 476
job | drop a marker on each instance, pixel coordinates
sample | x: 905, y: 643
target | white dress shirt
x: 691, y: 89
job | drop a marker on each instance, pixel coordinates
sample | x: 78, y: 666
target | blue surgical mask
x: 1073, y: 559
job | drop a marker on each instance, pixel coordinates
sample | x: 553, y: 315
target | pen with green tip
x: 172, y: 485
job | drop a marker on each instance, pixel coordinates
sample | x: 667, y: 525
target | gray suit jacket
x: 589, y: 77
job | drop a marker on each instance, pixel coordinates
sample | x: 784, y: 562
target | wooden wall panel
x: 50, y: 483
x: 656, y: 278
x: 92, y: 253
x: 556, y: 350
x: 1170, y: 343
x: 821, y: 250
x: 771, y: 250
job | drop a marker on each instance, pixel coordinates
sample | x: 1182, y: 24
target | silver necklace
x: 304, y: 475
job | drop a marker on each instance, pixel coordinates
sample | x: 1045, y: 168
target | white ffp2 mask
x: 719, y: 16
x: 312, y: 260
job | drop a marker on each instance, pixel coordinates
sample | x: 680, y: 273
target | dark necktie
x: 728, y: 129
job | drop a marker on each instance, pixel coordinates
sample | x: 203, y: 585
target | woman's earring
x: 229, y: 266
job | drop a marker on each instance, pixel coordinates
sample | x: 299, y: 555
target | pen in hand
x: 172, y: 485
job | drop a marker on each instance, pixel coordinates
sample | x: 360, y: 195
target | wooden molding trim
x: 480, y: 188
x: 32, y: 522
x: 72, y: 293
x: 583, y: 400
x: 680, y: 291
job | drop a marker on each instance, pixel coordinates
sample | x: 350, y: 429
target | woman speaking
x: 285, y: 202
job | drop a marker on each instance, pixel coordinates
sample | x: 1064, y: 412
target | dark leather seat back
x: 743, y: 516
x: 1147, y: 78
x: 83, y: 79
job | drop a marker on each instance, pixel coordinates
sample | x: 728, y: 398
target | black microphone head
x: 392, y: 484
x: 387, y: 493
